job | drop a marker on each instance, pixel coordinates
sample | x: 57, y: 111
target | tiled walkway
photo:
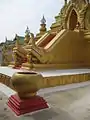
x: 69, y: 102
x: 72, y: 104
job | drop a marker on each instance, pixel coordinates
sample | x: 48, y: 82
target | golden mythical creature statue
x: 5, y: 57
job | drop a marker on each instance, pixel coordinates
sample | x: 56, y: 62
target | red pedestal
x: 22, y: 106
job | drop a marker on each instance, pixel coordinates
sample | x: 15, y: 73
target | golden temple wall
x: 87, y: 54
x: 69, y: 49
x: 65, y: 79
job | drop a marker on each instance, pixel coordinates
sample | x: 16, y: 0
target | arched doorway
x: 73, y: 20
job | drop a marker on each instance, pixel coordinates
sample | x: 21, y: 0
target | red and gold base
x: 22, y: 106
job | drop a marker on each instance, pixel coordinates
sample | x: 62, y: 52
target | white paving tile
x: 6, y: 90
x: 10, y: 71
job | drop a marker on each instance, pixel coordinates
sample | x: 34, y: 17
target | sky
x: 16, y: 15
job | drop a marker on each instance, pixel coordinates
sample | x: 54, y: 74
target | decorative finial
x: 43, y: 20
x: 27, y: 36
x: 27, y: 32
x: 43, y: 25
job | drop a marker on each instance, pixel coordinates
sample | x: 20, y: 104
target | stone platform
x: 52, y: 78
x: 69, y: 104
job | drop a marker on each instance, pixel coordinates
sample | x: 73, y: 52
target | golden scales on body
x: 66, y: 46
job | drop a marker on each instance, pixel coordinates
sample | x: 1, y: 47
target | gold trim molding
x: 53, y: 81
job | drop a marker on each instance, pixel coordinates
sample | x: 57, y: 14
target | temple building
x: 43, y: 28
x: 37, y: 63
x: 6, y: 50
x: 70, y: 35
x: 8, y: 45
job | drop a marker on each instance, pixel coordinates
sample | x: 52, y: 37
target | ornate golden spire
x: 43, y: 24
x: 43, y: 20
x: 27, y: 32
x: 27, y: 35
